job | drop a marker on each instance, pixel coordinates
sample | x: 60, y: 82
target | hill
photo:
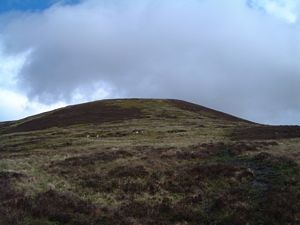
x: 147, y: 161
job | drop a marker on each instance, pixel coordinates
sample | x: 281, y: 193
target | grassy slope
x: 147, y: 162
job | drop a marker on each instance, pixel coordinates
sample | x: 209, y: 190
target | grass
x: 169, y: 166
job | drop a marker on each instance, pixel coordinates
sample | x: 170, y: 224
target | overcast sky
x: 238, y: 56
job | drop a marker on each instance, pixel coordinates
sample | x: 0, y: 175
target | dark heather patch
x: 7, y: 193
x: 12, y: 203
x: 276, y: 189
x: 61, y: 207
x: 47, y: 207
x: 87, y: 113
x: 128, y: 171
x: 266, y: 132
x: 207, y: 150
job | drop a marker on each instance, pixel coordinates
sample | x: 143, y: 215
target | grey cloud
x: 220, y: 54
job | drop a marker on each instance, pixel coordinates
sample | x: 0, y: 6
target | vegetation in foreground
x: 147, y: 162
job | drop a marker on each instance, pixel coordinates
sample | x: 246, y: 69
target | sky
x: 237, y: 56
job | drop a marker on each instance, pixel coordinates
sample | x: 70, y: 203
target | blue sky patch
x: 30, y: 5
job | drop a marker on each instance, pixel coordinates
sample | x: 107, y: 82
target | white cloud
x: 11, y: 104
x: 282, y: 9
x: 10, y: 67
x: 16, y: 106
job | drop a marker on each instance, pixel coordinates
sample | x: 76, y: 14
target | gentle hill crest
x: 111, y: 111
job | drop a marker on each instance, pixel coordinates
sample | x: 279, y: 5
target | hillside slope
x: 147, y: 161
x: 110, y: 111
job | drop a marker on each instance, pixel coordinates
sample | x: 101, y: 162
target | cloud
x: 283, y: 9
x: 10, y: 66
x: 224, y: 55
x: 14, y: 105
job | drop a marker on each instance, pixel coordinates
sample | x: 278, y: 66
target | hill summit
x: 147, y: 161
x: 114, y: 110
